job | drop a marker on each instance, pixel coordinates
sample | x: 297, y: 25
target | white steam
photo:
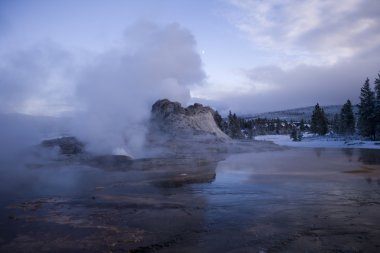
x: 110, y: 96
x: 119, y: 88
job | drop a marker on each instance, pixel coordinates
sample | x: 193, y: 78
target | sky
x: 245, y: 55
x: 102, y: 64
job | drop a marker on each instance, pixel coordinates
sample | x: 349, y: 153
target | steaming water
x: 281, y: 201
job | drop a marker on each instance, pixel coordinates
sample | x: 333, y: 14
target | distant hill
x: 299, y: 113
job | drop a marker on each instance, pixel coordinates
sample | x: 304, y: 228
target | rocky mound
x: 196, y: 119
x: 67, y: 145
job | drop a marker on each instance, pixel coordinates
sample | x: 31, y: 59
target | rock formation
x: 172, y: 128
x: 172, y: 118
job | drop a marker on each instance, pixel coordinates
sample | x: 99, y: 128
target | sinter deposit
x: 171, y: 117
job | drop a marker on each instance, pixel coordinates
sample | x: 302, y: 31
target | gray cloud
x: 315, y: 32
x: 304, y: 85
x: 320, y: 51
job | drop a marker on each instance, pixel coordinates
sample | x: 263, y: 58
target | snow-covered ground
x: 312, y: 141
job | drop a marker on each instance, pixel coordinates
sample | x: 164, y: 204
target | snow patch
x: 312, y: 141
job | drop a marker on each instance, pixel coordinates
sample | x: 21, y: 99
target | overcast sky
x: 245, y: 55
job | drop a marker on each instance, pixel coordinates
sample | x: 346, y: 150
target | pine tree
x: 336, y: 126
x: 218, y: 120
x: 315, y: 119
x: 230, y: 124
x: 296, y: 135
x: 302, y: 125
x: 318, y: 121
x: 367, y: 121
x: 323, y: 123
x: 234, y: 126
x: 377, y: 86
x: 347, y: 119
x: 377, y: 106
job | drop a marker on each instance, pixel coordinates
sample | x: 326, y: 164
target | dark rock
x: 116, y: 162
x: 164, y: 108
x: 67, y: 145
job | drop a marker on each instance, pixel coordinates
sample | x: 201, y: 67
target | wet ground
x: 289, y: 200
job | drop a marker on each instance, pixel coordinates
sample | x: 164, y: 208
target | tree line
x: 366, y: 123
x: 368, y: 118
x: 244, y: 128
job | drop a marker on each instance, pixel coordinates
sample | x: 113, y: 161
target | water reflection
x: 349, y: 153
x: 369, y: 156
x: 319, y: 151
